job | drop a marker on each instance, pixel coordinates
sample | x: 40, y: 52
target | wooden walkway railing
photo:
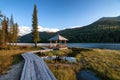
x: 35, y: 68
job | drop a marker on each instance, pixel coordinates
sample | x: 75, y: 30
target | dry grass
x: 106, y: 63
x: 9, y: 57
x: 12, y: 55
x: 64, y: 71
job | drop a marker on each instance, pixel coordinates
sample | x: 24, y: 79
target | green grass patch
x: 17, y: 58
x: 105, y: 63
x: 11, y: 56
x: 64, y: 71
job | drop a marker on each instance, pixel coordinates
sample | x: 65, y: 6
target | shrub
x: 105, y: 63
x: 63, y: 72
x: 78, y: 57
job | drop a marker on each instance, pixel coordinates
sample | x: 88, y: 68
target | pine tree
x: 35, y: 33
x: 11, y: 30
x: 16, y: 33
x: 8, y: 32
x: 4, y: 32
x: 1, y: 29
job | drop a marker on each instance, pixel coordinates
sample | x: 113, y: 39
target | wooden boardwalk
x: 35, y: 68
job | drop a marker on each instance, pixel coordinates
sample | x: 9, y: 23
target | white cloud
x: 75, y: 26
x: 72, y: 27
x: 40, y: 28
x: 26, y: 29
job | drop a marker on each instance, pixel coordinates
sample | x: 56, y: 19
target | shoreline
x: 112, y: 46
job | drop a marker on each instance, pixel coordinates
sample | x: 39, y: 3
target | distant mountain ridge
x: 106, y: 29
x: 111, y: 18
x: 44, y: 36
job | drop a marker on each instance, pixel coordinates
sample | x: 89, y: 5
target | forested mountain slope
x: 44, y: 36
x: 104, y: 30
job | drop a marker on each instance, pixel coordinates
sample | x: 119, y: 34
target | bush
x: 62, y: 72
x: 16, y: 58
x: 78, y: 57
x: 8, y: 58
x: 105, y: 63
x: 49, y: 61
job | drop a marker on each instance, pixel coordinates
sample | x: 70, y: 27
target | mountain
x: 44, y: 36
x: 111, y: 18
x: 106, y: 29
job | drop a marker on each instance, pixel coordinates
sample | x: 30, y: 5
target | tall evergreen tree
x: 4, y: 32
x: 8, y: 32
x: 11, y: 30
x: 1, y: 37
x: 16, y: 33
x: 35, y: 32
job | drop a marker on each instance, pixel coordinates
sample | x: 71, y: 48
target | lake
x: 70, y: 59
x: 113, y: 46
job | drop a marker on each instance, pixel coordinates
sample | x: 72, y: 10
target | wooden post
x: 50, y: 43
x: 61, y: 43
x: 65, y: 42
x: 56, y: 43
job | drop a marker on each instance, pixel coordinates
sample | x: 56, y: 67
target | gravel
x: 14, y: 73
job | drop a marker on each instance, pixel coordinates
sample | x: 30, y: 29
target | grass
x: 12, y: 56
x: 64, y: 71
x: 9, y: 57
x: 105, y: 63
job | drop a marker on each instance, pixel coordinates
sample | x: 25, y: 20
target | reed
x: 8, y: 58
x: 63, y: 71
x: 105, y: 63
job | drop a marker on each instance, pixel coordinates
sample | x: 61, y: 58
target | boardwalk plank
x: 35, y: 68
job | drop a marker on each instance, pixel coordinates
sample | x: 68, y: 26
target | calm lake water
x: 113, y: 46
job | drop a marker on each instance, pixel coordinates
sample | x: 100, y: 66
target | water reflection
x: 115, y: 46
x: 70, y: 59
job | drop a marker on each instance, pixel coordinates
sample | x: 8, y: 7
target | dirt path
x: 14, y: 73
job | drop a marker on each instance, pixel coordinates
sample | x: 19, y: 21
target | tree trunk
x: 9, y: 44
x: 16, y: 43
x: 65, y: 57
x: 56, y: 59
x: 35, y: 44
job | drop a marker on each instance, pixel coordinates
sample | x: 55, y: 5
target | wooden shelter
x: 58, y: 42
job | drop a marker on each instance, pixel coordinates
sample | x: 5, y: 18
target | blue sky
x: 60, y: 13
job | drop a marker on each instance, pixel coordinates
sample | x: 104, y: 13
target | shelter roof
x: 58, y: 37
